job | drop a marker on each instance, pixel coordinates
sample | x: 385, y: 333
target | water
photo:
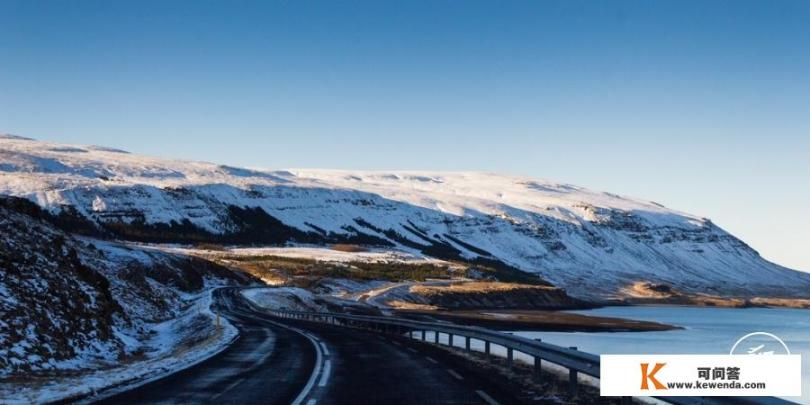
x: 708, y: 331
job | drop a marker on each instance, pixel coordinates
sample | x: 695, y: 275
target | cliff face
x: 593, y: 244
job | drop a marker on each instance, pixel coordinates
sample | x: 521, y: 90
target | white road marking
x: 325, y: 350
x: 315, y: 371
x: 319, y: 364
x: 325, y: 376
x: 228, y: 388
x: 488, y: 399
x: 430, y: 359
x: 455, y: 374
x: 396, y: 343
x: 411, y: 349
x: 311, y: 402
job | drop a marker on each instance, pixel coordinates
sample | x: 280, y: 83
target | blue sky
x: 703, y: 106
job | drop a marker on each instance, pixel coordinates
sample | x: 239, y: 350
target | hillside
x: 70, y: 304
x: 593, y: 244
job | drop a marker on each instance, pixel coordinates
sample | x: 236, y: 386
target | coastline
x: 538, y: 320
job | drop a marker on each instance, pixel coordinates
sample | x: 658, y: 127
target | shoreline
x: 559, y: 320
x: 538, y: 320
x: 714, y: 302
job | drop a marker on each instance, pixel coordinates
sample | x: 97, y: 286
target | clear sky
x: 703, y: 106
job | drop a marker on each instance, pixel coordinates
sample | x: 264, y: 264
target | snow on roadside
x: 346, y: 288
x: 381, y: 296
x: 290, y: 298
x: 179, y: 343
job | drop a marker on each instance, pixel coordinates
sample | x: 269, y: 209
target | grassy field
x: 288, y: 268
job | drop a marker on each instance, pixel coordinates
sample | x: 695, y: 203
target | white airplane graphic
x: 756, y: 350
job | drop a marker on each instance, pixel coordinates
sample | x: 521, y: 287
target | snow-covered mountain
x: 592, y: 243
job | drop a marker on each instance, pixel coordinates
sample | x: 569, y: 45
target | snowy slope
x: 75, y: 304
x: 591, y: 243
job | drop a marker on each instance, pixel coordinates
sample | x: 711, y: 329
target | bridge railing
x: 575, y: 361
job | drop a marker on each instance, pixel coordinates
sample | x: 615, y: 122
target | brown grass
x: 403, y: 305
x: 210, y: 246
x: 345, y: 247
x: 650, y: 293
x: 800, y: 303
x: 474, y: 287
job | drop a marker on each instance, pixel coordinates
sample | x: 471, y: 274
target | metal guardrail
x: 573, y: 360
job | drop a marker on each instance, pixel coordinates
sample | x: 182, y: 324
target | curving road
x: 283, y: 362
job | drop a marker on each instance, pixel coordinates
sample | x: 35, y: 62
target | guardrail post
x: 423, y: 335
x: 467, y: 343
x: 436, y: 337
x: 572, y: 379
x: 486, y: 347
x: 450, y: 339
x: 538, y: 367
x: 509, y: 357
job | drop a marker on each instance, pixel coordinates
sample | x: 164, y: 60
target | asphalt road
x: 281, y: 362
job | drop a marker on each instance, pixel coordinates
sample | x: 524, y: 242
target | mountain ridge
x: 591, y: 243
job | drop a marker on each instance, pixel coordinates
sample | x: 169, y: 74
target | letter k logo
x: 647, y: 376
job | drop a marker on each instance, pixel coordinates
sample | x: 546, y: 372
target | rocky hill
x: 73, y: 304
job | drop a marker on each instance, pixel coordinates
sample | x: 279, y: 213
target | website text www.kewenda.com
x: 702, y: 385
